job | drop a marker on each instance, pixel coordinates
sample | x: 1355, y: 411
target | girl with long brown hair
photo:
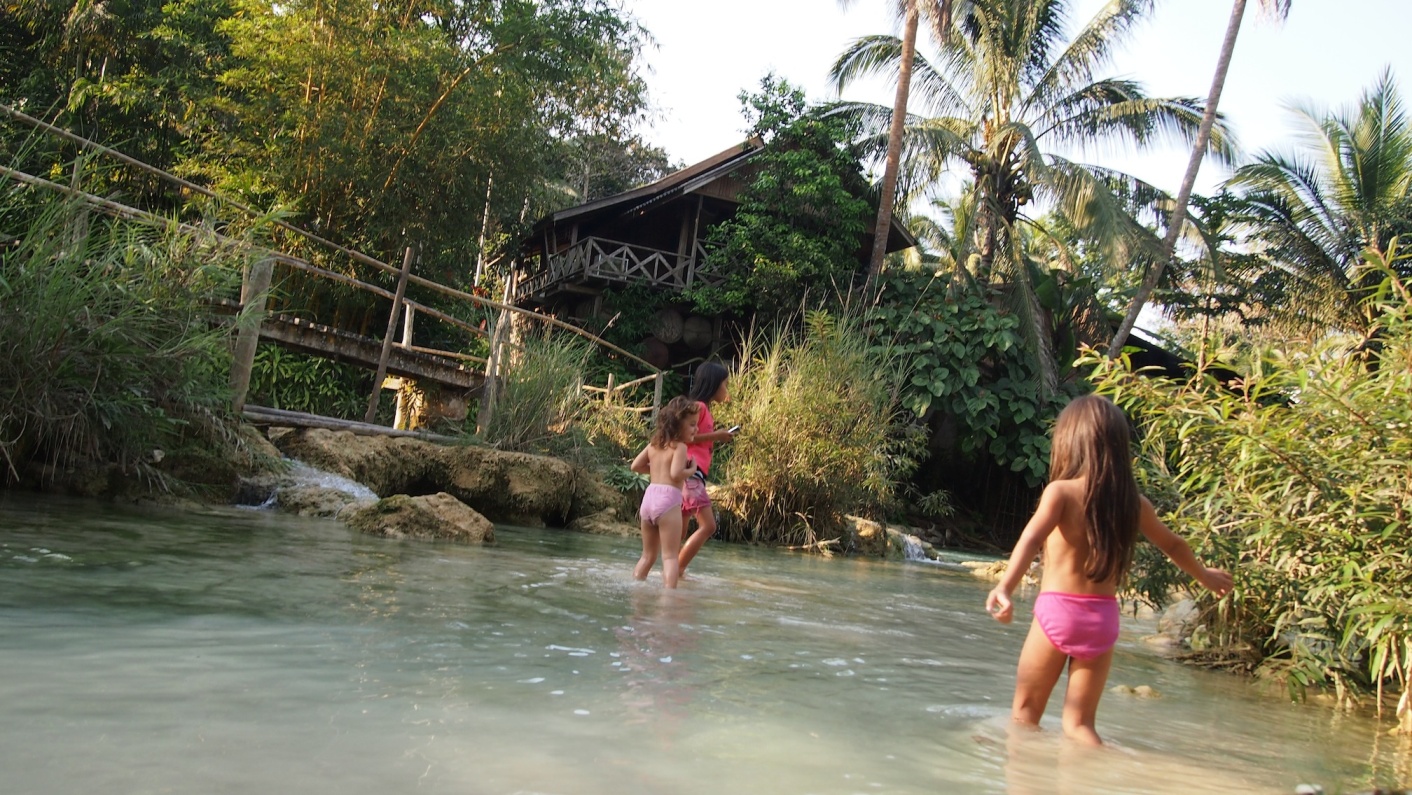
x: 1086, y: 524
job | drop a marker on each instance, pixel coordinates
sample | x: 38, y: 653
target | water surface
x: 150, y: 651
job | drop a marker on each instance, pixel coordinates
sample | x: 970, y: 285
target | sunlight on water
x: 149, y: 651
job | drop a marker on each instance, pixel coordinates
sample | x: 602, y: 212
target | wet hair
x: 672, y: 420
x: 1092, y: 441
x: 707, y: 381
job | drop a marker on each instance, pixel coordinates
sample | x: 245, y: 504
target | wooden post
x: 407, y: 321
x: 608, y: 393
x: 657, y: 395
x: 254, y: 295
x: 387, y: 338
x: 492, y: 363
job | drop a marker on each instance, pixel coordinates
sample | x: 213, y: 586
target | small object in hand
x: 733, y: 430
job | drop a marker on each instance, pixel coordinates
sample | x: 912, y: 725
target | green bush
x: 1299, y: 480
x: 107, y: 352
x: 824, y: 433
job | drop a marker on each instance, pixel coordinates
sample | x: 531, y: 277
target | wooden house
x: 653, y: 235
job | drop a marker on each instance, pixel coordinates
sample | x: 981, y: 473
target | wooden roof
x: 692, y: 178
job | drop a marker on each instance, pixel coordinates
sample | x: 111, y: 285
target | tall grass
x: 540, y: 393
x: 823, y: 432
x: 1300, y: 481
x: 107, y: 352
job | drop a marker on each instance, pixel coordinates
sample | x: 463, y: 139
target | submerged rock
x: 605, y: 523
x: 427, y: 517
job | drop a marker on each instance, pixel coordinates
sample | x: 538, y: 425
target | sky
x: 1324, y: 55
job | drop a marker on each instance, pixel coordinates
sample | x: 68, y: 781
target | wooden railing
x: 257, y: 280
x: 614, y: 261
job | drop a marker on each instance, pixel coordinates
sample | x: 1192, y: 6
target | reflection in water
x: 653, y: 647
x: 147, y: 651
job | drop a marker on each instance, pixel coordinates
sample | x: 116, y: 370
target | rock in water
x: 433, y: 516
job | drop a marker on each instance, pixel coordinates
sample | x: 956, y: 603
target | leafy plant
x: 827, y: 435
x: 1299, y: 479
x: 965, y: 356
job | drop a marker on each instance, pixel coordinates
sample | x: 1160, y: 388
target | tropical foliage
x: 801, y: 221
x: 1310, y: 214
x: 1009, y: 95
x: 1298, y: 479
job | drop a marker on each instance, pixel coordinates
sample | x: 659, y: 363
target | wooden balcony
x: 594, y: 262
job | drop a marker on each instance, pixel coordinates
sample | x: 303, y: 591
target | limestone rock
x: 514, y: 488
x: 309, y: 500
x: 605, y: 523
x: 433, y: 516
x: 994, y: 570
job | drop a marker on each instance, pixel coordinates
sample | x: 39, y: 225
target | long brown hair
x: 672, y: 419
x: 1091, y: 441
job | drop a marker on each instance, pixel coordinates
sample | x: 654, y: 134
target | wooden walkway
x: 474, y: 377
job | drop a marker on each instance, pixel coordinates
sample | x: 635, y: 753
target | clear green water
x: 147, y: 651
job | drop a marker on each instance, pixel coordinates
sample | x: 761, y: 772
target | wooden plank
x: 261, y: 415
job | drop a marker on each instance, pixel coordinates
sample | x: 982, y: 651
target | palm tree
x: 1011, y: 91
x: 910, y: 11
x: 1198, y: 149
x: 1312, y: 215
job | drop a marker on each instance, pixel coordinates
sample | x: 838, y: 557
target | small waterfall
x: 301, y: 474
x: 912, y: 548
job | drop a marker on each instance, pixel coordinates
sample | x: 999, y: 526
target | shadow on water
x: 232, y: 650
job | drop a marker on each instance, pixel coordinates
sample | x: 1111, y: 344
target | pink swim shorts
x: 1082, y: 626
x: 657, y: 500
x: 694, y: 496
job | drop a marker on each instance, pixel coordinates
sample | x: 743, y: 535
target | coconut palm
x: 938, y: 14
x: 1198, y: 150
x: 1009, y: 93
x: 1312, y: 214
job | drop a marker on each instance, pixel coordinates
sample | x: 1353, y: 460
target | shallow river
x: 150, y: 651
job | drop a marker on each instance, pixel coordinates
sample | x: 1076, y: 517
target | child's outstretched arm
x: 1045, y: 519
x: 1175, y: 547
x: 641, y: 465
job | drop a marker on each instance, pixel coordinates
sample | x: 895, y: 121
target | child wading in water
x: 664, y: 459
x: 1086, y: 524
x: 709, y: 386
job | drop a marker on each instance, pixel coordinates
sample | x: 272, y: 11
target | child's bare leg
x: 705, y: 527
x: 650, y: 544
x: 670, y: 527
x: 1086, y: 681
x: 1038, y: 672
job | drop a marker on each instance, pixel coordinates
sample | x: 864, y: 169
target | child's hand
x: 997, y: 603
x: 1218, y: 581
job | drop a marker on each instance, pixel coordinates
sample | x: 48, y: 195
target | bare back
x: 668, y: 465
x: 1066, y: 547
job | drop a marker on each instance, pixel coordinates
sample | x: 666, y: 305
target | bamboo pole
x: 608, y: 393
x: 492, y: 365
x: 387, y: 338
x: 254, y: 296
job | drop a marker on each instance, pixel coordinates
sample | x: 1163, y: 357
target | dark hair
x: 1091, y: 441
x: 672, y: 418
x: 707, y: 381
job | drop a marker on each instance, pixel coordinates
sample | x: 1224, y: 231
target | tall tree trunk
x: 894, y: 145
x: 1178, y: 219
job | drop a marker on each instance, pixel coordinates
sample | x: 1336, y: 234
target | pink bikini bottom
x: 693, y: 496
x: 657, y: 500
x: 1083, y: 626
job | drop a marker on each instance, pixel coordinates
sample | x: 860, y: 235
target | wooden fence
x: 257, y: 281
